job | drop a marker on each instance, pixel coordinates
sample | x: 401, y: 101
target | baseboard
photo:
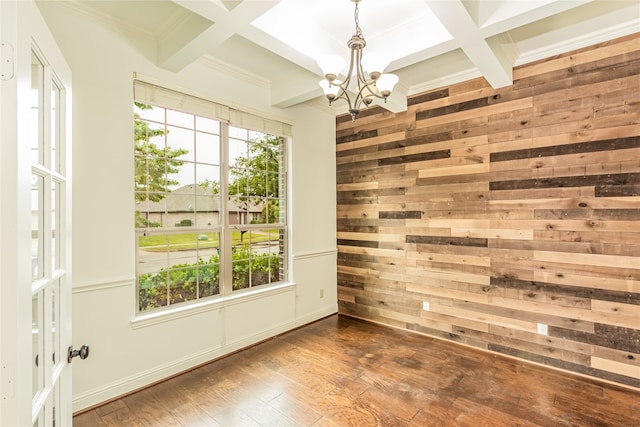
x: 325, y: 311
x: 126, y: 385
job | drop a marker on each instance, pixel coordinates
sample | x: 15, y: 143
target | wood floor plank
x: 88, y: 419
x: 149, y: 411
x: 120, y: 417
x: 234, y: 417
x: 341, y: 371
x: 191, y: 415
x: 473, y: 414
x: 110, y: 407
x: 302, y: 414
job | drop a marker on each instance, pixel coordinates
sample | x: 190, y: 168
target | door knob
x: 83, y: 353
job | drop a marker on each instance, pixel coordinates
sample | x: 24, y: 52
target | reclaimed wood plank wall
x: 508, y: 219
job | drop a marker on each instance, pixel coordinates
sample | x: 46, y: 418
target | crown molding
x: 172, y: 26
x: 231, y: 70
x: 83, y: 9
x: 575, y: 43
x: 448, y: 80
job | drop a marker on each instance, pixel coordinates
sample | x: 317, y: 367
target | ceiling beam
x: 499, y: 22
x: 280, y: 48
x: 494, y: 59
x: 294, y: 91
x: 175, y: 56
x: 213, y: 10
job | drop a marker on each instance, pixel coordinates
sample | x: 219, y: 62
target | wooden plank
x: 629, y: 311
x: 626, y: 239
x: 428, y: 96
x: 365, y: 142
x: 621, y: 179
x: 461, y: 259
x: 477, y: 112
x: 562, y: 275
x: 571, y: 165
x: 617, y: 367
x: 573, y: 312
x: 510, y: 140
x: 629, y: 262
x: 618, y: 356
x: 584, y: 147
x: 541, y: 340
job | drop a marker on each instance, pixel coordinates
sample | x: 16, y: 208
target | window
x: 209, y: 199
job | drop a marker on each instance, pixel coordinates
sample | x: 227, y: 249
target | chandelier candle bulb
x: 367, y: 71
x: 330, y: 90
x: 331, y: 66
x: 385, y: 84
x: 374, y: 64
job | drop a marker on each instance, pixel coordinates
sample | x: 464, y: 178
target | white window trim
x: 236, y: 118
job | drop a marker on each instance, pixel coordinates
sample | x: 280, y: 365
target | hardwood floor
x: 341, y: 371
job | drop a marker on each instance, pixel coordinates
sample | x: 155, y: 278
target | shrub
x: 142, y: 222
x: 185, y: 282
x: 182, y: 282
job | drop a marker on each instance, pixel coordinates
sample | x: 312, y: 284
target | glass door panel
x: 55, y: 131
x: 37, y: 321
x: 55, y: 226
x: 37, y: 246
x: 35, y: 116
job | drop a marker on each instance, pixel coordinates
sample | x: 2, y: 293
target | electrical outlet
x: 543, y: 329
x: 425, y: 305
x: 321, y: 293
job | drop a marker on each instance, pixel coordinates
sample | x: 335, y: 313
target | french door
x: 35, y: 227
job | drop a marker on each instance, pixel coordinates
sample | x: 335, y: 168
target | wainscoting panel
x: 508, y: 219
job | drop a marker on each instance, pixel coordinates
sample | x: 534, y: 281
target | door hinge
x: 8, y: 383
x: 7, y: 61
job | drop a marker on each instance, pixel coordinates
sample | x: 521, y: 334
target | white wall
x: 128, y: 354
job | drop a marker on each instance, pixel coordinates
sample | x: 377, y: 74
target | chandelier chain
x: 357, y: 21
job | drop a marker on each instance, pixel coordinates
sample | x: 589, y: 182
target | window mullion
x: 225, y: 237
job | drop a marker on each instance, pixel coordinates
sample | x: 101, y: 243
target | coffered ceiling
x: 430, y: 42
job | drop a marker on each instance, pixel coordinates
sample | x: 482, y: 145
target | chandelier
x: 370, y: 81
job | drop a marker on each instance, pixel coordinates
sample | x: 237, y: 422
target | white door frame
x: 23, y: 30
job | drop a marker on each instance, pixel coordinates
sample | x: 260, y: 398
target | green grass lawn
x: 189, y: 241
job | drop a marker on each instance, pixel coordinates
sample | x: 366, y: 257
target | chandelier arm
x: 365, y: 88
x: 360, y: 79
x: 371, y: 91
x: 343, y: 93
x: 354, y: 59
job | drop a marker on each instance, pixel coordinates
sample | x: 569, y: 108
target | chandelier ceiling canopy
x: 367, y: 72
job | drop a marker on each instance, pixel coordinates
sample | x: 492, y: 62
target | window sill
x: 143, y: 320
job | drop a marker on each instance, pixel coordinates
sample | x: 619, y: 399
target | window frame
x: 224, y: 227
